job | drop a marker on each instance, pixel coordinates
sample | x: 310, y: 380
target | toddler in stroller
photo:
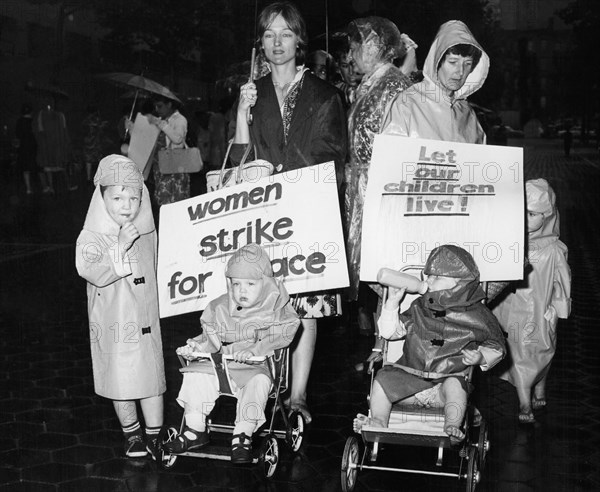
x: 252, y: 320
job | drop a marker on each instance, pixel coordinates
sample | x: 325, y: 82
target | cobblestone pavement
x: 57, y: 435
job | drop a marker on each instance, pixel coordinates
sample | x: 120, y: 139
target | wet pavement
x: 57, y: 435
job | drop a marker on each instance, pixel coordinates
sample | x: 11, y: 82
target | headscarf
x: 540, y: 198
x: 452, y: 261
x: 379, y: 32
x: 117, y: 170
x: 450, y: 34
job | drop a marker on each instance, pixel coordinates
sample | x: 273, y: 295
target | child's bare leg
x: 126, y: 412
x: 153, y: 409
x: 454, y: 398
x: 381, y: 407
x: 525, y: 411
x: 539, y: 394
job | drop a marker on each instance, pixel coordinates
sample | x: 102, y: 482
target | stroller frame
x: 268, y: 455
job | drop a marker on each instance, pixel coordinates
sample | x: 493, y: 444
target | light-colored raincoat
x: 125, y: 336
x: 425, y: 111
x: 530, y: 314
x: 373, y: 94
x: 269, y: 325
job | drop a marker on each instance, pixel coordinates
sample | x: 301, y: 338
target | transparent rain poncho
x: 381, y: 42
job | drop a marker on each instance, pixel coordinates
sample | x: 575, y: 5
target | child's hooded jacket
x: 440, y: 324
x: 125, y: 336
x: 529, y: 315
x: 269, y: 325
x: 424, y: 111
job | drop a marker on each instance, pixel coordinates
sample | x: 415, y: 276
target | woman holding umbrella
x: 169, y: 188
x: 298, y: 120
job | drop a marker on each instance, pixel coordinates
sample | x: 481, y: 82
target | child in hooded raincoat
x: 447, y: 330
x: 116, y: 255
x: 254, y: 318
x: 529, y: 315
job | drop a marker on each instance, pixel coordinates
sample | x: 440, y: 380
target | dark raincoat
x: 443, y: 323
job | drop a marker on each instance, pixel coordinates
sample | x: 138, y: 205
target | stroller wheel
x: 269, y: 455
x: 350, y: 464
x: 483, y: 444
x: 167, y: 459
x: 473, y: 475
x: 295, y: 431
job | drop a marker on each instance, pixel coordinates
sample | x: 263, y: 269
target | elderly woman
x: 436, y: 108
x: 298, y: 121
x: 374, y: 43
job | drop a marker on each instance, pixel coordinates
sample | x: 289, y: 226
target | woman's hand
x: 248, y: 95
x: 154, y: 120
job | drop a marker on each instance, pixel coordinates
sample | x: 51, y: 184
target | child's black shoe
x: 135, y: 447
x: 188, y: 440
x: 153, y: 446
x: 241, y: 449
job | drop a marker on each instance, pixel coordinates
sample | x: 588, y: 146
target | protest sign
x: 143, y: 139
x: 294, y: 215
x: 425, y: 193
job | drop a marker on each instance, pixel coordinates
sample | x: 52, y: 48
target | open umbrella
x: 139, y: 82
x: 46, y: 90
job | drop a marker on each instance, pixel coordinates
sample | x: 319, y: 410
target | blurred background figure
x: 321, y: 64
x: 52, y: 136
x: 349, y: 76
x: 27, y: 147
x: 93, y: 140
x: 217, y: 127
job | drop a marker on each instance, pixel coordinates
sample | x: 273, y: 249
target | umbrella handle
x: 250, y: 79
x: 131, y: 112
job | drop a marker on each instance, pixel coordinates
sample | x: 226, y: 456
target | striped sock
x: 132, y: 429
x: 152, y: 432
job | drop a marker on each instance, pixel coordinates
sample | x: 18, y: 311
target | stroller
x: 421, y: 427
x: 279, y: 424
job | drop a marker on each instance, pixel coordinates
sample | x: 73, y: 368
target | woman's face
x: 280, y: 42
x: 163, y: 109
x: 454, y: 70
x: 365, y: 55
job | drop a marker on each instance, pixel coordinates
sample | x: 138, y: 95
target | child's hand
x: 243, y: 356
x: 472, y: 357
x: 127, y: 236
x: 187, y: 350
x: 394, y: 297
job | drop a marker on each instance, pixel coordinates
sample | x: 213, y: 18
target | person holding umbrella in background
x: 169, y: 188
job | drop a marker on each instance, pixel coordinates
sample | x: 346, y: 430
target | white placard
x: 143, y: 139
x: 425, y: 193
x: 294, y: 215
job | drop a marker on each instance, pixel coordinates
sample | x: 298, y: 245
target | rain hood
x: 450, y: 34
x: 115, y: 170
